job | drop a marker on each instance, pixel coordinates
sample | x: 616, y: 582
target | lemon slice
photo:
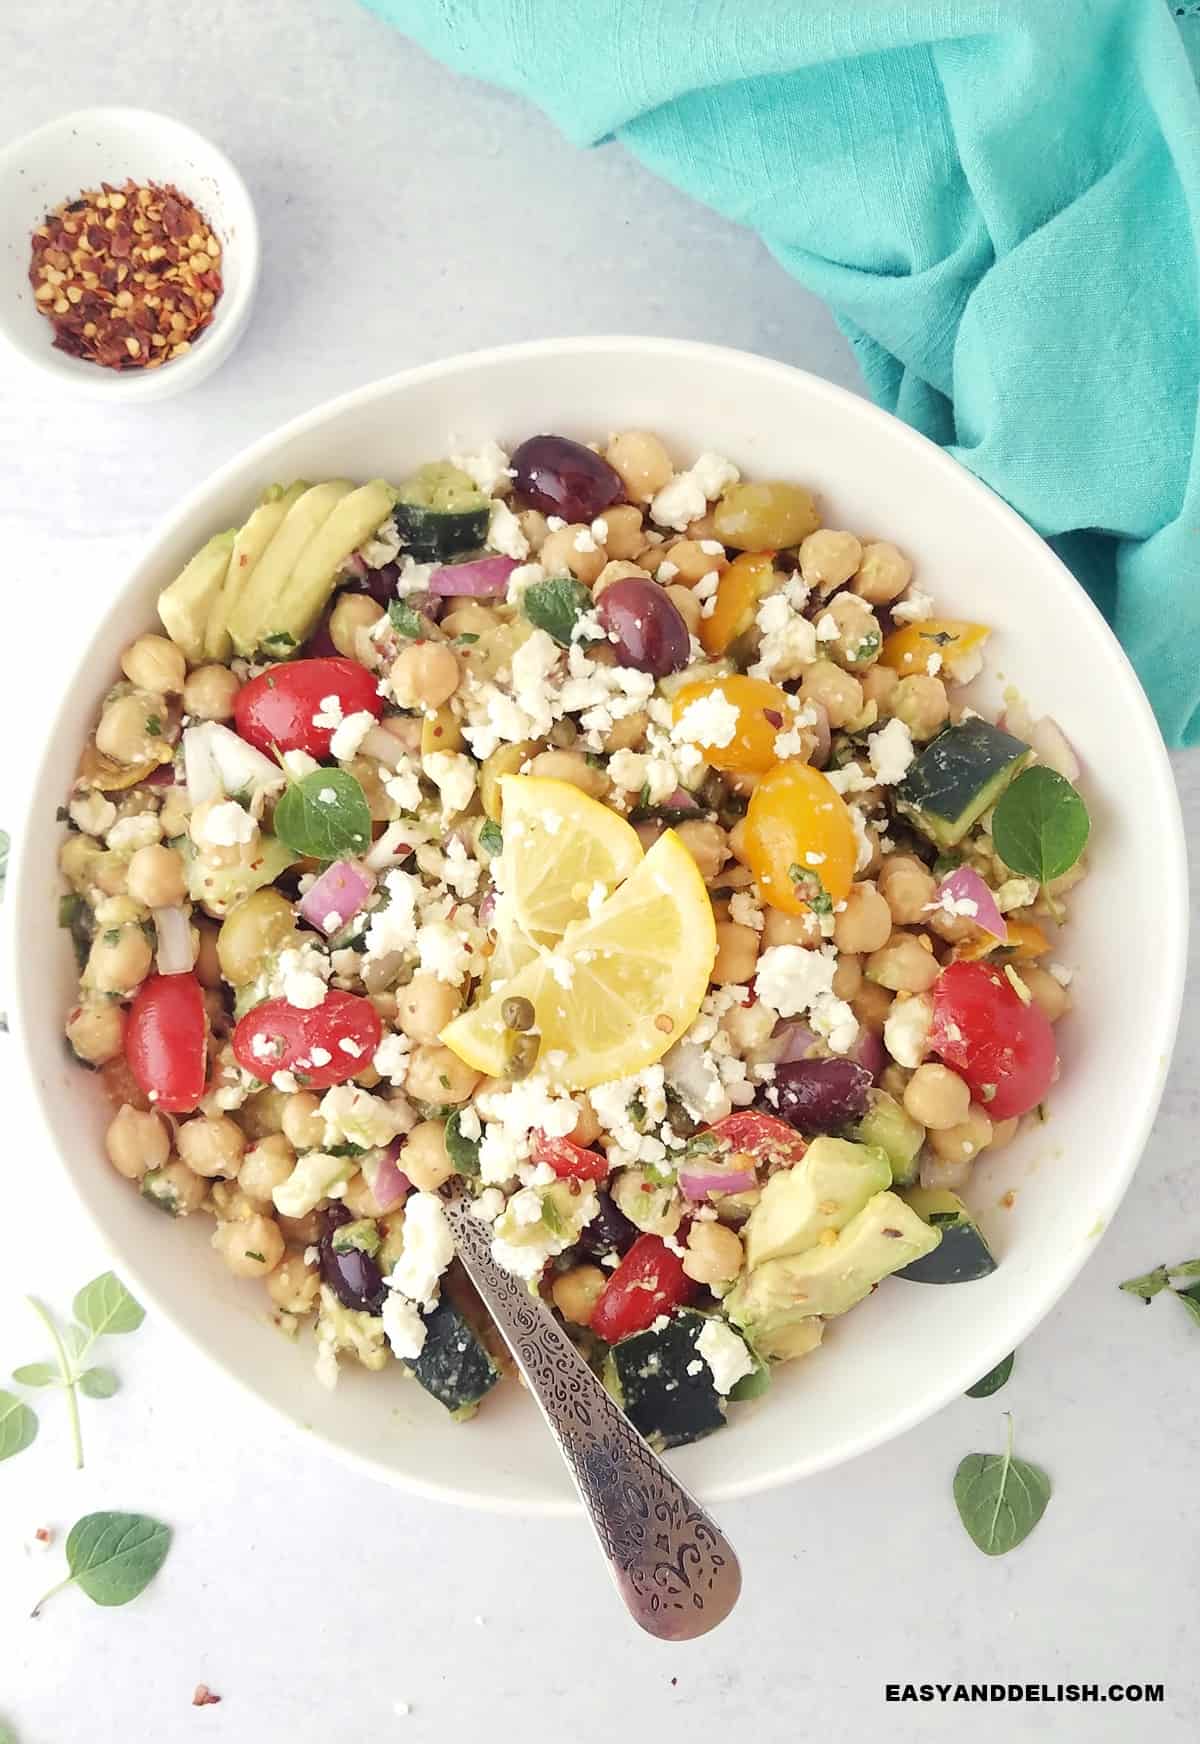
x: 558, y: 846
x: 620, y: 988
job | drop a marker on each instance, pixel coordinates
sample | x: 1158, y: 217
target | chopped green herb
x: 407, y: 622
x: 112, y: 936
x: 462, y: 1151
x: 324, y: 816
x: 555, y: 605
x: 61, y: 814
x: 552, y: 1218
x: 491, y: 838
x: 810, y: 888
x: 154, y: 726
x: 1040, y: 825
x: 465, y: 639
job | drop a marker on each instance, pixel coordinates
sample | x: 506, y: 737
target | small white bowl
x: 81, y: 150
x: 1043, y: 1201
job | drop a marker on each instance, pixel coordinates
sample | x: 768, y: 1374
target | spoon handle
x: 673, y: 1567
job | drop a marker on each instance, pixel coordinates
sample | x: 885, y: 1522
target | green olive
x: 257, y: 929
x: 504, y: 760
x: 765, y: 517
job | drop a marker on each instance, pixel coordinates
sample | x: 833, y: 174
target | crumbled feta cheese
x: 298, y: 764
x: 906, y: 1029
x: 850, y: 778
x: 890, y: 751
x: 913, y: 607
x: 92, y: 813
x: 725, y: 1353
x: 680, y: 501
x: 789, y: 744
x: 744, y: 910
x: 428, y: 1250
x: 1016, y: 893
x: 404, y: 787
x: 413, y: 578
x: 444, y: 951
x: 391, y: 1057
x: 711, y: 720
x: 142, y: 830
x: 383, y: 547
x: 522, y: 577
x: 504, y: 532
x: 353, y: 1116
x: 934, y: 664
x: 313, y: 1179
x: 488, y: 469
x: 489, y: 1205
x: 863, y: 842
x: 460, y: 872
x: 403, y: 1326
x: 299, y: 976
x: 1061, y: 973
x: 227, y: 825
x: 788, y: 641
x: 612, y: 1103
x: 793, y: 979
x: 828, y: 629
x: 511, y: 1115
x: 329, y: 713
x: 454, y: 777
x: 584, y: 541
x: 714, y: 474
x: 394, y: 926
x: 348, y: 737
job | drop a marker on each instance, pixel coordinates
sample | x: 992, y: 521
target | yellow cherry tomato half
x: 798, y: 831
x: 743, y: 584
x: 958, y: 642
x: 762, y: 711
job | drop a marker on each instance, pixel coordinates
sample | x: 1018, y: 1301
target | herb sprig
x: 102, y: 1309
x: 1152, y: 1283
x: 324, y: 815
x: 1000, y: 1498
x: 1040, y: 826
x: 112, y: 1557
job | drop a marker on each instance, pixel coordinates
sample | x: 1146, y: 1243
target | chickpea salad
x: 600, y: 835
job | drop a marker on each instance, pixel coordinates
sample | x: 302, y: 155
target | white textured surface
x: 406, y: 215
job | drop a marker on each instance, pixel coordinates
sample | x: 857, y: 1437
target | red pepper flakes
x: 203, y: 1697
x: 127, y: 276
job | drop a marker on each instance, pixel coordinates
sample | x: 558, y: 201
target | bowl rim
x: 1173, y: 897
x: 232, y: 310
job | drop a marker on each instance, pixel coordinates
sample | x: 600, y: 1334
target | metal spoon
x: 673, y: 1567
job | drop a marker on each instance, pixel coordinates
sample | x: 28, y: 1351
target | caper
x: 522, y: 1053
x: 517, y: 1013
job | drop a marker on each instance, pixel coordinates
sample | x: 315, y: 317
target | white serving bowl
x: 910, y: 1348
x: 79, y: 151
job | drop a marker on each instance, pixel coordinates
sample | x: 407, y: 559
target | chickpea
x: 737, y: 842
x: 626, y: 535
x: 714, y: 1253
x: 693, y: 562
x: 641, y: 461
x: 154, y: 664
x: 839, y: 693
x: 920, y: 702
x: 958, y: 1144
x: 883, y: 574
x: 859, y: 637
x: 301, y: 1231
x: 251, y: 1248
x: 790, y: 929
x: 425, y: 1158
x: 136, y: 1142
x: 265, y: 1166
x: 294, y: 1285
x: 211, y: 1144
x: 1049, y: 994
x: 587, y: 1128
x: 119, y: 959
x: 353, y: 613
x: 229, y: 1204
x: 828, y: 559
x: 747, y: 1026
x: 174, y: 814
x: 155, y: 877
x: 303, y: 1125
x: 704, y: 526
x: 78, y: 858
x: 871, y: 1005
x: 615, y: 572
x: 865, y: 923
x: 951, y: 927
x: 96, y: 1031
x: 359, y: 1199
x: 575, y: 1293
x: 573, y: 550
x: 627, y: 732
x: 848, y: 976
x: 253, y: 932
x: 438, y: 1076
x: 425, y: 675
x: 261, y: 1115
x: 706, y: 843
x: 937, y: 1097
x: 570, y: 766
x: 894, y: 1079
x: 737, y: 953
x: 878, y: 687
x: 469, y: 619
x: 903, y: 965
x: 1003, y: 1133
x: 907, y: 887
x: 687, y: 605
x: 126, y: 730
x: 178, y: 1189
x: 425, y: 1007
x: 210, y: 693
x: 532, y: 523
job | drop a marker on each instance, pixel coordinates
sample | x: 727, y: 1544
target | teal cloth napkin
x: 999, y: 198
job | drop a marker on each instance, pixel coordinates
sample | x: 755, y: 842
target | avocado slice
x: 828, y: 1187
x: 783, y: 1343
x: 962, y: 1255
x: 310, y: 584
x: 831, y: 1277
x: 299, y: 526
x: 184, y: 607
x: 252, y: 540
x: 889, y: 1126
x: 219, y: 888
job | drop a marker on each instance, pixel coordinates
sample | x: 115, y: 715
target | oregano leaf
x: 37, y: 1375
x: 105, y: 1306
x: 555, y: 604
x: 324, y: 816
x: 993, y: 1380
x: 1000, y: 1498
x: 1040, y: 825
x: 98, y: 1383
x: 1191, y: 1300
x: 1148, y: 1285
x: 18, y: 1425
x: 113, y: 1557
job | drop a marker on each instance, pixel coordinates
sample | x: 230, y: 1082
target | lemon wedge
x: 620, y: 986
x: 559, y: 845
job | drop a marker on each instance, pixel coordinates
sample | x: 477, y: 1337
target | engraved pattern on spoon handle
x: 674, y: 1568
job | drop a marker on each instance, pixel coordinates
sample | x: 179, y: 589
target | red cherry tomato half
x: 278, y: 1037
x: 649, y: 1281
x: 1003, y: 1047
x: 761, y: 1136
x: 278, y: 706
x: 166, y: 1039
x: 570, y: 1162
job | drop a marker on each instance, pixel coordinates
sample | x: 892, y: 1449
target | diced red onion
x: 487, y: 908
x: 704, y: 1175
x: 1054, y: 749
x: 791, y: 1041
x: 869, y: 1051
x: 174, y: 955
x: 481, y: 578
x: 163, y: 776
x: 337, y: 895
x: 393, y: 846
x: 356, y: 564
x: 382, y: 745
x: 965, y: 885
x: 388, y: 1183
x: 682, y: 800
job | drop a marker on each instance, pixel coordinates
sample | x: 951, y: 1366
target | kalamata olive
x: 610, y: 1231
x: 650, y: 633
x: 821, y: 1095
x: 353, y: 1276
x: 561, y: 477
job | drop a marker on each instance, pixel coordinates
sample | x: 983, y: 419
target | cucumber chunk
x: 962, y: 1255
x: 440, y: 513
x: 957, y: 777
x: 651, y: 1377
